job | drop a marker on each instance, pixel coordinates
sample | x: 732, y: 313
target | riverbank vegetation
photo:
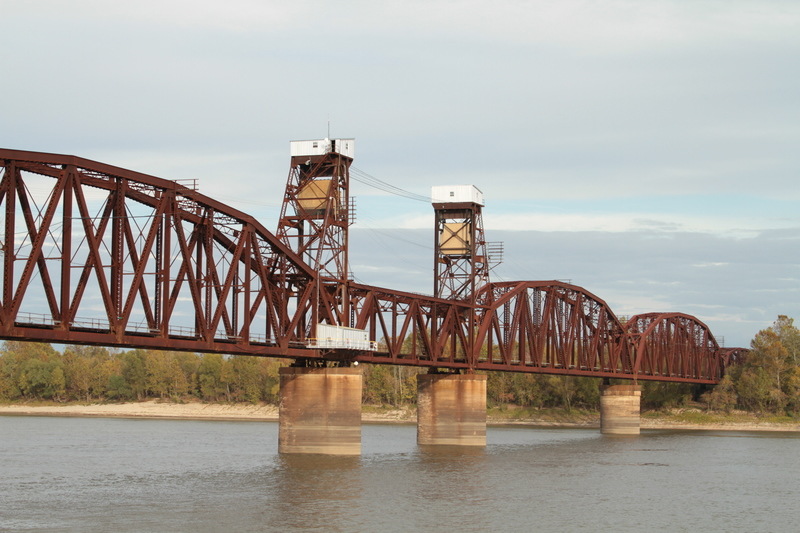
x: 766, y: 382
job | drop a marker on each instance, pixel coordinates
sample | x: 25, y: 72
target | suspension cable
x: 367, y: 179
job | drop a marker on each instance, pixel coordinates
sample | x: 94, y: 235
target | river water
x: 120, y: 475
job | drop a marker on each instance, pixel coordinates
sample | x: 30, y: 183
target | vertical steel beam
x: 9, y: 186
x: 66, y: 246
x: 118, y: 222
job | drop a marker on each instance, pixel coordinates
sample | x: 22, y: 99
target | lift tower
x: 461, y: 254
x: 316, y: 215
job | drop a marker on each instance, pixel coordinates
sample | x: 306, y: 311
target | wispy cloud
x: 734, y: 227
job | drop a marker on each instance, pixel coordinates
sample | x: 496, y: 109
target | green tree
x: 118, y: 388
x: 29, y: 350
x: 789, y: 336
x: 158, y: 373
x: 660, y: 395
x: 527, y: 390
x: 499, y: 389
x: 31, y: 370
x: 792, y: 387
x: 57, y: 385
x: 587, y: 392
x: 269, y: 373
x: 78, y: 374
x: 768, y: 380
x: 9, y: 376
x: 393, y: 385
x: 134, y: 373
x: 209, y: 377
x: 754, y: 388
x: 761, y: 382
x: 723, y: 396
x: 42, y: 379
x: 185, y: 369
x: 379, y: 387
x: 102, y: 367
x: 572, y: 391
x: 246, y: 386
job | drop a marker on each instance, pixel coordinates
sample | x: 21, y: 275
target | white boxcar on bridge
x: 334, y: 337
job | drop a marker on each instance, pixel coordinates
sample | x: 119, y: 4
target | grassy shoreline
x: 692, y: 418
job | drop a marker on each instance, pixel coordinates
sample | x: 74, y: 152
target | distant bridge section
x: 673, y: 346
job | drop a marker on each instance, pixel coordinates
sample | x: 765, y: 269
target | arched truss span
x: 549, y: 327
x: 732, y: 356
x: 120, y: 258
x: 673, y: 346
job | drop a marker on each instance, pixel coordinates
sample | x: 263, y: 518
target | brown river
x: 121, y: 475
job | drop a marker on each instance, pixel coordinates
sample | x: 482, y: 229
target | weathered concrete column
x: 620, y: 406
x: 451, y: 409
x: 320, y: 411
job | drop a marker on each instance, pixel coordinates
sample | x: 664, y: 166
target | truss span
x: 732, y: 356
x: 97, y: 254
x: 549, y: 327
x: 673, y: 347
x: 413, y: 329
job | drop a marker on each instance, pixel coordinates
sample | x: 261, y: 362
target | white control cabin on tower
x: 345, y: 147
x: 447, y: 194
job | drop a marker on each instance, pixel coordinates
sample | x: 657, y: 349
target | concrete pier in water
x: 320, y: 411
x: 620, y: 407
x: 451, y: 409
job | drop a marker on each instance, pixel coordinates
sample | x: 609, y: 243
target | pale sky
x: 646, y: 151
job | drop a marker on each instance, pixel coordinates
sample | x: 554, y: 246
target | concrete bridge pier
x: 620, y: 406
x: 320, y: 411
x: 451, y: 409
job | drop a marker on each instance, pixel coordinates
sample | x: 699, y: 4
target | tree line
x: 767, y: 381
x: 36, y: 371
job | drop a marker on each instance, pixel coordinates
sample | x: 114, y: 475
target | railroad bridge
x: 96, y: 254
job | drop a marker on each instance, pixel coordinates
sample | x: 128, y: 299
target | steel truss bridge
x: 95, y: 254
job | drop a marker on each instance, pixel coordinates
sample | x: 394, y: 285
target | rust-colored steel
x: 461, y: 262
x: 413, y: 329
x: 549, y: 327
x: 673, y: 345
x: 315, y: 214
x: 314, y: 223
x: 732, y: 356
x: 102, y: 255
x: 95, y: 254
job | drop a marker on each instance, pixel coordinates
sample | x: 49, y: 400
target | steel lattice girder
x: 673, y: 345
x: 316, y: 226
x: 732, y: 356
x: 413, y: 329
x: 95, y: 254
x: 169, y: 267
x: 550, y: 326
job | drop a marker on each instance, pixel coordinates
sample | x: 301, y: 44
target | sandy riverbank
x: 150, y: 409
x: 203, y: 411
x: 188, y: 411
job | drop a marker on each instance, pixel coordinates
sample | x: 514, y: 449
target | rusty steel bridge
x: 96, y: 254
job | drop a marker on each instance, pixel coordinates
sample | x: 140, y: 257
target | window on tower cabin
x: 452, y: 193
